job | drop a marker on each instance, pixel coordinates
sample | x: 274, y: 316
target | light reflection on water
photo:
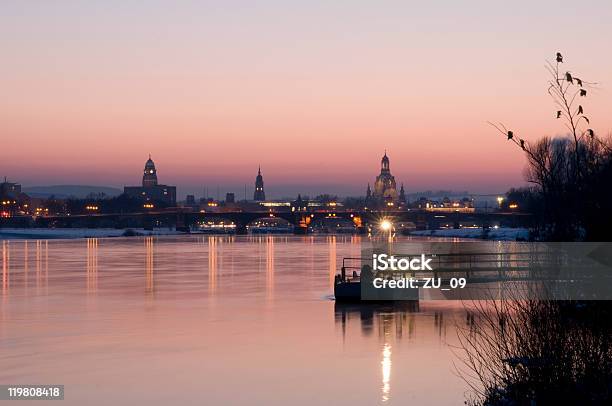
x: 386, y: 372
x: 216, y: 319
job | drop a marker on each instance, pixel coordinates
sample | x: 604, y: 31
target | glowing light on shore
x: 386, y: 225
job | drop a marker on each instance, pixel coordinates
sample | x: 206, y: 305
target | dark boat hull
x: 351, y: 292
x: 347, y: 292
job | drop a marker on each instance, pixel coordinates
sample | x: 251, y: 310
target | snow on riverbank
x: 56, y: 233
x: 502, y: 233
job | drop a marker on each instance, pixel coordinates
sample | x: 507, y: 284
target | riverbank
x: 71, y: 233
x: 501, y: 233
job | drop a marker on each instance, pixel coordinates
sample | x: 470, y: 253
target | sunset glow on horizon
x: 313, y: 92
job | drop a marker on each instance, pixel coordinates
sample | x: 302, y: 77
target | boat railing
x: 353, y: 265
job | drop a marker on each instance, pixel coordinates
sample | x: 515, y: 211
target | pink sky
x: 313, y: 92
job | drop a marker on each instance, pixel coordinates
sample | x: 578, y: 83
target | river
x: 223, y: 320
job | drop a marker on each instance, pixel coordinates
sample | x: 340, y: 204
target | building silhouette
x: 12, y: 199
x: 10, y: 190
x: 259, y: 195
x: 385, y: 189
x: 151, y: 191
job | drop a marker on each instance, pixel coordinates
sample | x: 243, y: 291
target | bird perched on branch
x: 568, y: 77
x: 522, y: 144
x: 579, y: 82
x: 580, y: 110
x: 583, y: 92
x: 591, y: 133
x: 559, y: 57
x: 510, y: 135
x: 558, y: 113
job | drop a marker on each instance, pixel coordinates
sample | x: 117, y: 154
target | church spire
x: 402, y: 195
x: 259, y: 194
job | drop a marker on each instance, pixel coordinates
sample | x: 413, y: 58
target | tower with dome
x: 149, y: 178
x: 385, y: 188
x: 151, y: 191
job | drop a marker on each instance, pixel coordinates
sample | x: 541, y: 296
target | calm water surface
x: 215, y: 320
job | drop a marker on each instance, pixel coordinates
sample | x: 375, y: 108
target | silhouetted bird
x: 580, y: 110
x: 523, y: 144
x: 558, y: 113
x: 510, y: 135
x: 559, y: 57
x: 591, y: 132
x: 568, y: 77
x: 579, y: 82
x: 582, y: 92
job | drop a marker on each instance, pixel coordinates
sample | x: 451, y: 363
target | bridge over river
x: 184, y: 219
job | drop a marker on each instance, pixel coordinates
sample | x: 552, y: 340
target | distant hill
x: 65, y: 191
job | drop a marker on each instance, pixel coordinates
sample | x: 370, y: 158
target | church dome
x: 384, y: 186
x: 149, y: 164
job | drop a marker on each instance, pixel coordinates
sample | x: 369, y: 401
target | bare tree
x: 568, y: 171
x: 525, y: 352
